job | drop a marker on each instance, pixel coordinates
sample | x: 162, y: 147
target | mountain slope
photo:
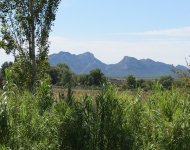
x: 143, y: 68
x: 81, y: 63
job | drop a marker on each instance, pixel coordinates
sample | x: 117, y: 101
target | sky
x: 112, y: 29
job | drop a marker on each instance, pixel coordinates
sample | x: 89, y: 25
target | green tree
x: 83, y: 79
x: 96, y: 77
x: 65, y: 75
x: 131, y: 82
x: 166, y: 81
x: 140, y: 83
x: 54, y: 75
x: 61, y: 75
x: 25, y: 27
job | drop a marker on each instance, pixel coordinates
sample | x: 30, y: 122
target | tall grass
x: 110, y: 121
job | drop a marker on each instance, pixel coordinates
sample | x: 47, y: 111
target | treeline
x: 61, y: 75
x: 132, y: 83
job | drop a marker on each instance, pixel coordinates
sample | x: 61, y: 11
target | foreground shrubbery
x: 110, y: 121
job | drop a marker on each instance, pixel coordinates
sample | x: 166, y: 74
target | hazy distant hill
x: 143, y: 68
x: 81, y: 63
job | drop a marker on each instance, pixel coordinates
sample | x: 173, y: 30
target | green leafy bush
x: 166, y: 82
x: 130, y: 82
x: 96, y: 124
x: 111, y: 120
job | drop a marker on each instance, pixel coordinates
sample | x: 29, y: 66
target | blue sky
x: 100, y: 18
x: 111, y: 29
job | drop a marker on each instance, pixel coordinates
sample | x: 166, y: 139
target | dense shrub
x: 96, y: 77
x: 98, y: 125
x: 5, y: 66
x: 141, y: 83
x: 130, y: 82
x: 166, y: 81
x: 110, y: 120
x: 44, y: 96
x: 4, y: 124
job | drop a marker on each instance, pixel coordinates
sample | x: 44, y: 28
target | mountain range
x: 143, y: 68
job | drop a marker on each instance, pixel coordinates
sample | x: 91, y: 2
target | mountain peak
x: 128, y: 59
x: 87, y: 54
x: 64, y: 54
x: 143, y: 68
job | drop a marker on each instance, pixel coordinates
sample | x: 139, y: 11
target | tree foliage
x: 61, y: 75
x: 25, y: 27
x: 5, y: 66
x: 130, y: 82
x: 166, y: 82
x: 96, y: 77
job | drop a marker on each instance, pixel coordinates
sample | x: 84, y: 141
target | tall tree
x: 25, y: 26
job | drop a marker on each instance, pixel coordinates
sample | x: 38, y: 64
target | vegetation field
x: 42, y: 108
x: 103, y: 119
x: 78, y: 93
x: 97, y: 115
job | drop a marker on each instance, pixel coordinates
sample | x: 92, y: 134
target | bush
x: 98, y: 125
x: 44, y: 96
x: 130, y: 82
x: 4, y: 122
x: 61, y: 75
x: 166, y: 82
x: 141, y: 83
x: 5, y: 66
x: 96, y: 77
x: 111, y: 120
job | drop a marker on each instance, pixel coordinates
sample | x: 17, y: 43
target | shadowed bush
x: 98, y: 124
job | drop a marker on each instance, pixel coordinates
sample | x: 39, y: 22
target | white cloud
x: 176, y: 32
x: 171, y: 52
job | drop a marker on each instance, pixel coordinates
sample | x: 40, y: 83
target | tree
x: 25, y: 27
x: 61, y: 75
x: 166, y: 82
x: 83, y: 79
x: 131, y: 82
x: 140, y: 83
x: 96, y: 77
x: 65, y: 75
x: 54, y: 73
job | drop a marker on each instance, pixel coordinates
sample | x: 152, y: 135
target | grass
x: 79, y: 93
x: 109, y: 119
